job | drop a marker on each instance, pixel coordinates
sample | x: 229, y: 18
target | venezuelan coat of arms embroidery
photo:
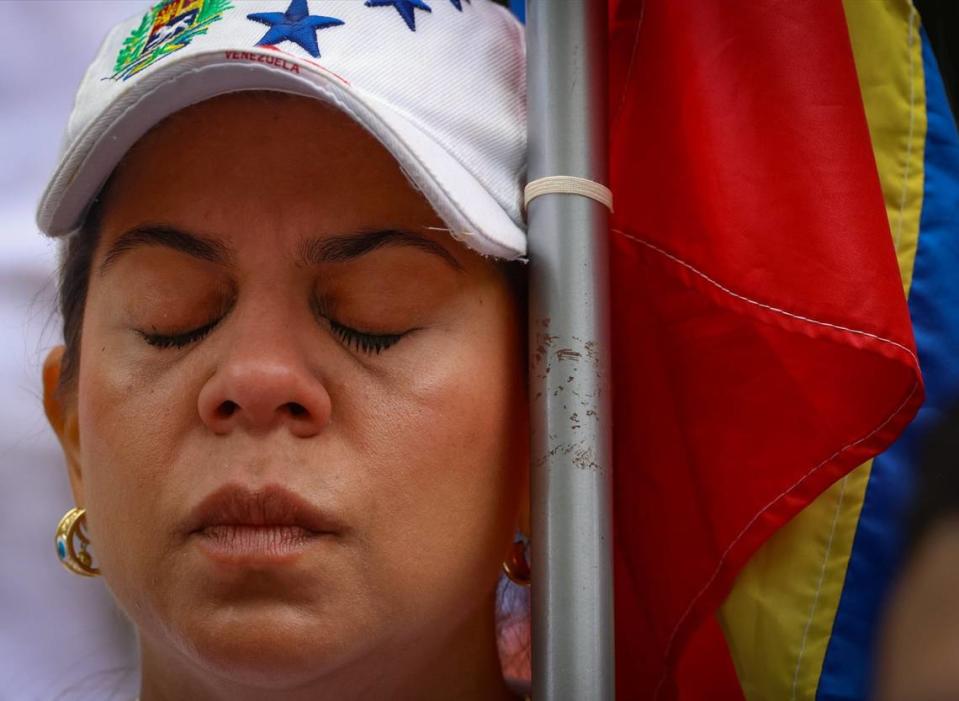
x: 167, y: 27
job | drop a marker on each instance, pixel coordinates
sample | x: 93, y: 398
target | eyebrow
x: 339, y: 249
x: 314, y: 251
x: 169, y: 237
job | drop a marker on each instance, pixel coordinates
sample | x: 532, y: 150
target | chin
x: 269, y: 645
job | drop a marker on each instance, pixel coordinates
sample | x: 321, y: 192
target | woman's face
x: 272, y: 305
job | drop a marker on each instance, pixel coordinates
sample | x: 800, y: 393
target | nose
x: 259, y: 391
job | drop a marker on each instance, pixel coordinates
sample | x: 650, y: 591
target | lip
x: 271, y: 524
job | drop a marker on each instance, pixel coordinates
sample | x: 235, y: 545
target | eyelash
x: 362, y: 341
x: 179, y: 340
x: 369, y: 343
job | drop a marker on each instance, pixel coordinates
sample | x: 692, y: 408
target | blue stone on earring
x: 70, y: 534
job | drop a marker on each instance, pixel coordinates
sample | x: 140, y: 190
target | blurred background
x: 61, y: 636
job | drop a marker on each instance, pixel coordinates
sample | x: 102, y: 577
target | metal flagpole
x: 571, y: 544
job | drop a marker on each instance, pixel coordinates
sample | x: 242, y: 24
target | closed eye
x: 362, y: 341
x: 178, y: 340
x: 370, y: 343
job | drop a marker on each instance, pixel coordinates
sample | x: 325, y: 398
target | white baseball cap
x: 440, y: 83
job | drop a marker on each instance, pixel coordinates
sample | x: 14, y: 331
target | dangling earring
x: 71, y: 529
x: 516, y: 564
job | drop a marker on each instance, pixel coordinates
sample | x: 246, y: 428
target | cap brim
x: 471, y: 212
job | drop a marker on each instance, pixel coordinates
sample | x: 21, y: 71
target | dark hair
x: 75, y: 264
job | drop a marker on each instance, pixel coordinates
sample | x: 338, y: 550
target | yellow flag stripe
x: 779, y: 617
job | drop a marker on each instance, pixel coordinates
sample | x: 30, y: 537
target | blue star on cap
x: 457, y: 4
x: 296, y: 25
x: 404, y: 7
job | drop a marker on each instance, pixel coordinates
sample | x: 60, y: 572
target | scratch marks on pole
x: 543, y: 344
x: 580, y: 453
x: 567, y: 374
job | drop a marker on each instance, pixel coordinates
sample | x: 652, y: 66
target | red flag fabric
x: 761, y: 341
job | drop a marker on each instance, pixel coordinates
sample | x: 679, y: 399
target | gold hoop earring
x: 516, y: 564
x: 70, y: 531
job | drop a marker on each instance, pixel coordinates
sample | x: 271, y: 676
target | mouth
x: 238, y: 525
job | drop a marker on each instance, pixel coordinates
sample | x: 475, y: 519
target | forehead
x: 268, y: 160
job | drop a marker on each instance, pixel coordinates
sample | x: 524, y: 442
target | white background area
x: 61, y: 637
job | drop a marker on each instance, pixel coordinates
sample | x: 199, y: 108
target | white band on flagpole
x: 568, y: 185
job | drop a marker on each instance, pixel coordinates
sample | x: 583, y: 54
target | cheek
x: 129, y: 422
x: 450, y: 446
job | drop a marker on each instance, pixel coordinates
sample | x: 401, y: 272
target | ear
x: 61, y: 411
